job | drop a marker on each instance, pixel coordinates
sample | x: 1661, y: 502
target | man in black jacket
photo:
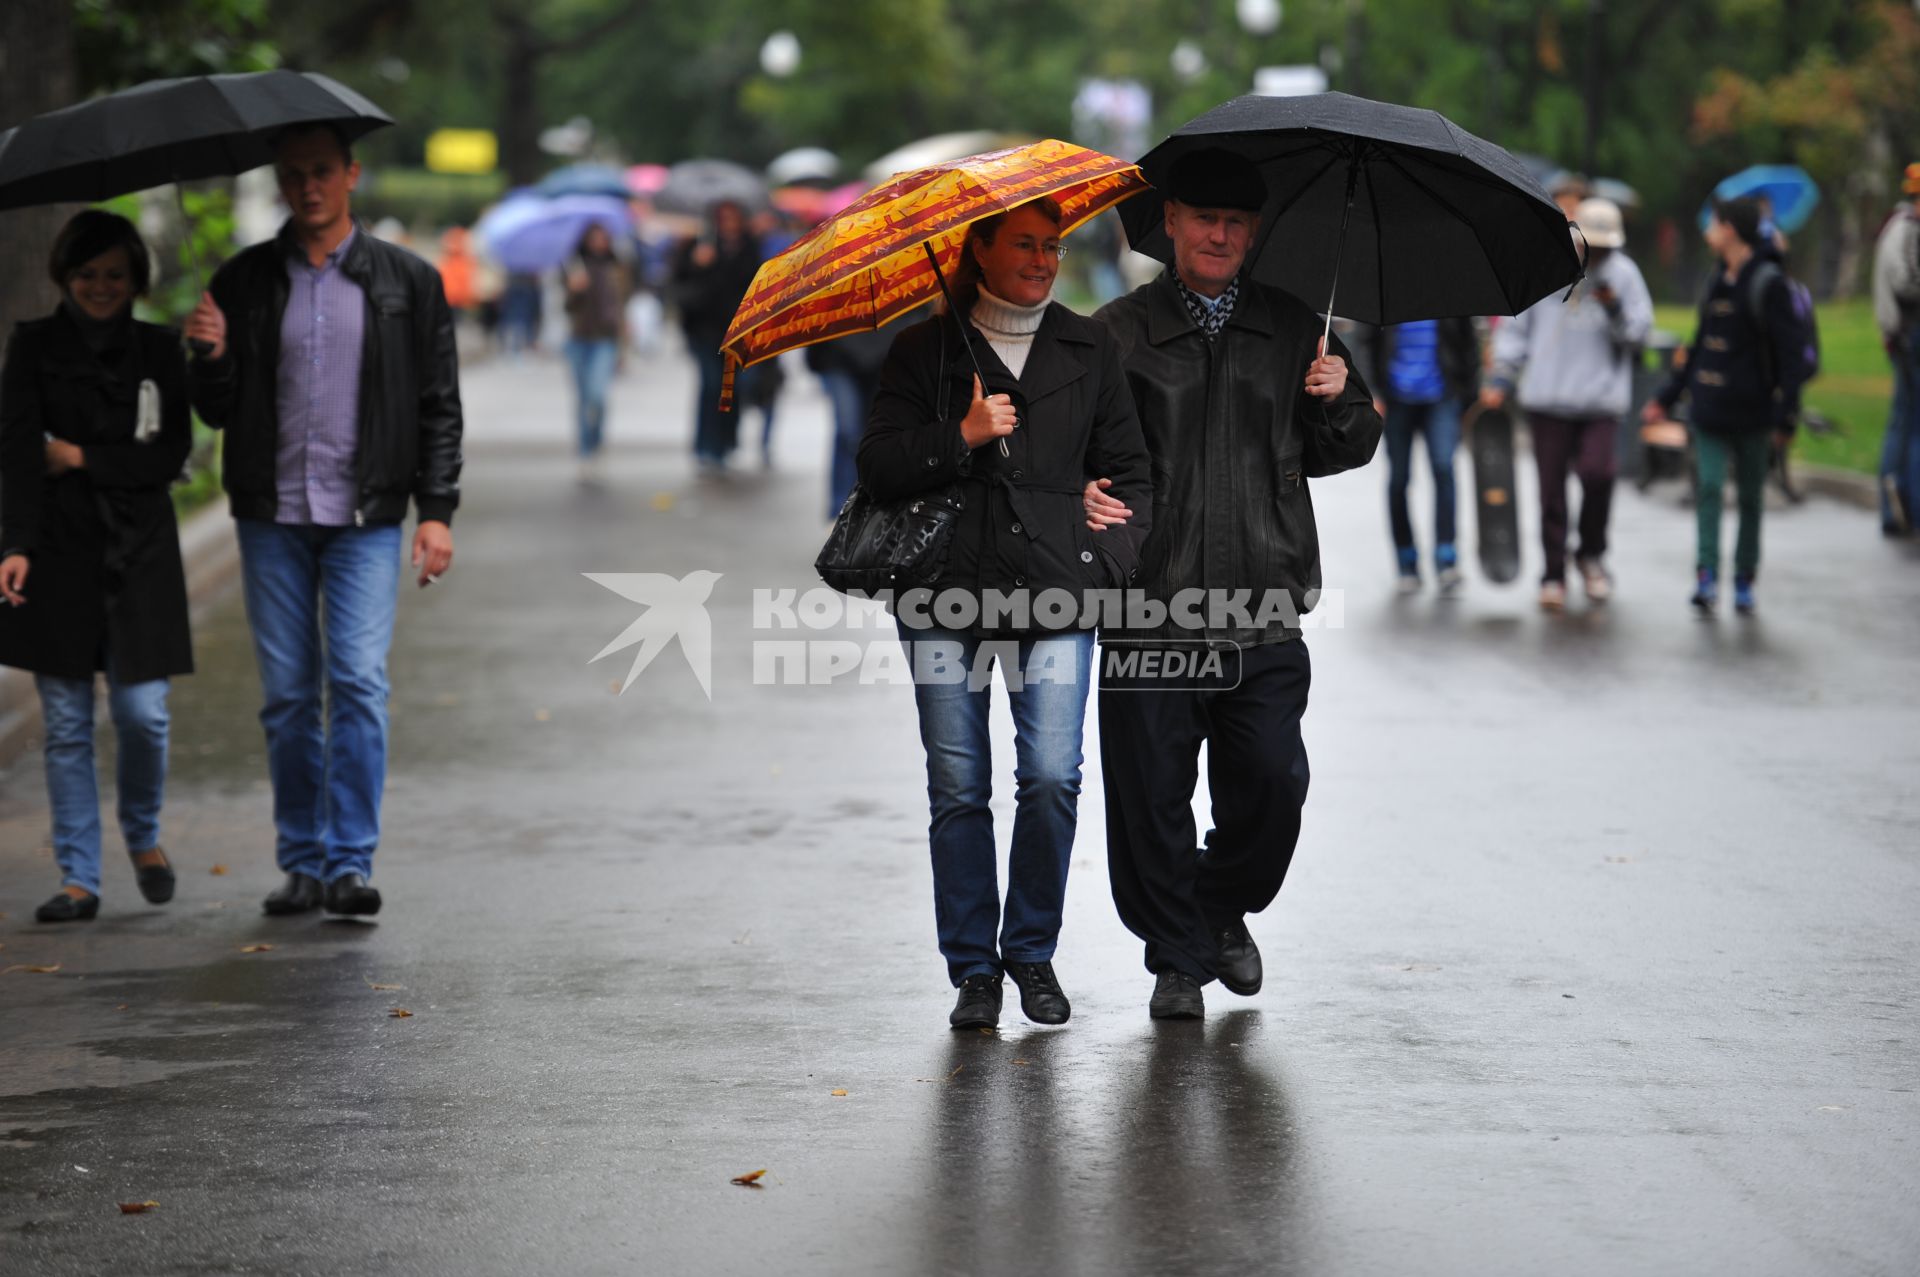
x: 337, y: 385
x: 1240, y: 407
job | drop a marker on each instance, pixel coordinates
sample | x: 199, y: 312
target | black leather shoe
x: 1238, y: 965
x: 978, y: 1006
x: 66, y: 908
x: 1176, y: 996
x: 350, y: 894
x: 156, y: 881
x: 300, y: 893
x: 1040, y: 996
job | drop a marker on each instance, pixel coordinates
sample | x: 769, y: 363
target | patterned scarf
x: 1209, y: 319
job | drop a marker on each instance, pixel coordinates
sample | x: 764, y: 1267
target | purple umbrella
x: 528, y: 234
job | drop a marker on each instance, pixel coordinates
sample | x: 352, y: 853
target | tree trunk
x: 519, y: 102
x: 36, y: 74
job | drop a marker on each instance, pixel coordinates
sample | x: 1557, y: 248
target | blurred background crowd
x: 701, y: 139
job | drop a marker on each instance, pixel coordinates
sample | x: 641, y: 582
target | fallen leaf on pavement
x: 1020, y: 1061
x: 385, y: 988
x: 663, y: 501
x: 30, y: 968
x: 837, y: 1091
x: 256, y: 948
x: 136, y: 1208
x: 399, y: 1013
x: 121, y: 1007
x: 751, y: 1179
x: 218, y: 871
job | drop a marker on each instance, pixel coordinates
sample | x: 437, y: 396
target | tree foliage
x: 1669, y: 97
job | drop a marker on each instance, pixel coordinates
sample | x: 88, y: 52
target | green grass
x: 1853, y: 390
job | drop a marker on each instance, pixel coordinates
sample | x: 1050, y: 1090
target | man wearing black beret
x: 1240, y: 408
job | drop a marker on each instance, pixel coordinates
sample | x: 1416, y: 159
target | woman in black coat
x: 94, y: 428
x: 1057, y: 402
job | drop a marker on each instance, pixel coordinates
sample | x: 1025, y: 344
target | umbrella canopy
x: 584, y: 179
x: 170, y: 131
x: 809, y: 164
x: 941, y: 148
x: 695, y: 186
x: 871, y: 264
x: 1412, y: 216
x: 1612, y: 188
x: 1792, y: 194
x: 646, y: 179
x: 529, y: 233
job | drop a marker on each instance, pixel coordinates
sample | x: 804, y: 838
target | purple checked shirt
x: 319, y: 391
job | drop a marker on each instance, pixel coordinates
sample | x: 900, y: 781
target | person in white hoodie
x: 1896, y: 309
x: 1568, y: 361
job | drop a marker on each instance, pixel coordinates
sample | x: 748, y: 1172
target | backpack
x: 1806, y: 325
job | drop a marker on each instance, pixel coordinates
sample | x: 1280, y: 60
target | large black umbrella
x: 169, y: 131
x: 1409, y: 215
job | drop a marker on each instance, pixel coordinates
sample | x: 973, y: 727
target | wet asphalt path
x: 1598, y: 955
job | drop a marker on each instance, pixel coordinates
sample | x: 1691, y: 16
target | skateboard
x: 1497, y: 517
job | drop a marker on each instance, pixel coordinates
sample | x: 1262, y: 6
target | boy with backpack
x: 1744, y: 369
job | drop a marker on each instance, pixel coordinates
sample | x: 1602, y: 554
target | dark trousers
x: 1169, y: 891
x: 1585, y: 445
x: 1440, y: 423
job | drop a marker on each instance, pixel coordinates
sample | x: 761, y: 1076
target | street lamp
x: 1258, y: 17
x: 780, y: 55
x: 1189, y: 63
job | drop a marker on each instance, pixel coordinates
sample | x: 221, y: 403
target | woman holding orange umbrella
x: 1055, y: 399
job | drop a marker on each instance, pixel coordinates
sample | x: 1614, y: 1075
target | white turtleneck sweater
x: 1009, y: 328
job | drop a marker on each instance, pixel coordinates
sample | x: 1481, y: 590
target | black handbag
x: 892, y: 545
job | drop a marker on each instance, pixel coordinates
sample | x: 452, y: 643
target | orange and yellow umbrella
x: 869, y: 264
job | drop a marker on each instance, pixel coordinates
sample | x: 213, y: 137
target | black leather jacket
x: 410, y: 421
x: 1234, y: 437
x: 1022, y: 527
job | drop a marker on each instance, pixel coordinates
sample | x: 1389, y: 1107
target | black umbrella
x: 170, y: 131
x: 1410, y: 216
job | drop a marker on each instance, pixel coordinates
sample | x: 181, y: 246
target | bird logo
x: 675, y: 607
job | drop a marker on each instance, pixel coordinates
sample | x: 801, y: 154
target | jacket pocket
x: 1294, y: 548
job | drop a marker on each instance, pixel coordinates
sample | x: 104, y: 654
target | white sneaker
x: 1451, y: 578
x: 1553, y: 596
x: 1409, y: 583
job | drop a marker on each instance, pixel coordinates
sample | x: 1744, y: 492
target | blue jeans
x: 849, y: 399
x: 1900, y: 453
x: 1049, y: 702
x: 593, y: 363
x: 1441, y: 424
x: 139, y: 713
x: 302, y: 582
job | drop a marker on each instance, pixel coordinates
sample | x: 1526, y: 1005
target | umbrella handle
x: 959, y: 323
x: 1340, y: 246
x: 201, y: 349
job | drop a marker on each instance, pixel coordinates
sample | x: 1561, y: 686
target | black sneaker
x: 1238, y: 965
x: 978, y: 1006
x: 1176, y: 996
x: 1040, y: 996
